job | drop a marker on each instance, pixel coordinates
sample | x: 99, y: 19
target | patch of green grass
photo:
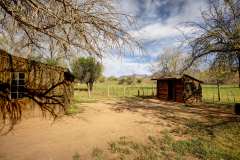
x: 76, y: 156
x: 114, y: 90
x: 129, y: 150
x: 97, y: 154
x: 74, y: 109
x: 218, y: 142
x: 229, y: 93
x: 212, y: 141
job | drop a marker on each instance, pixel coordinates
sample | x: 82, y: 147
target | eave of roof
x: 167, y: 78
x: 186, y: 75
x: 177, y: 78
x: 6, y: 54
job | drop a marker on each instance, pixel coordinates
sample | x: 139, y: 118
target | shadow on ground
x: 177, y: 113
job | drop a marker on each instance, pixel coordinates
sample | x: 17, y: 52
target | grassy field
x: 195, y: 139
x: 217, y: 138
x: 219, y: 142
x: 113, y: 89
x: 228, y: 93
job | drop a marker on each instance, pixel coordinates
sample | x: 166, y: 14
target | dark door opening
x: 171, y: 90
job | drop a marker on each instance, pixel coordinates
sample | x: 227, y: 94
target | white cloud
x: 115, y: 66
x: 156, y: 30
x: 170, y: 27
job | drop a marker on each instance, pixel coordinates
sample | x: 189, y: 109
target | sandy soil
x: 98, y: 124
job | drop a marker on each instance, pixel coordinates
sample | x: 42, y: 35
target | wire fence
x: 228, y: 94
x: 119, y: 91
x: 122, y: 91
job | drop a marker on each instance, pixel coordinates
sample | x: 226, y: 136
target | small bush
x: 122, y: 81
x: 97, y: 154
x: 130, y: 80
x: 76, y: 156
x: 112, y: 78
x: 101, y: 79
x: 139, y: 81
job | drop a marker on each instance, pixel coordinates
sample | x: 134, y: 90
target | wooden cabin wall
x: 38, y: 76
x: 162, y: 89
x: 179, y: 89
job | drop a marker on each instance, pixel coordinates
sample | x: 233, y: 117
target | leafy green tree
x: 87, y: 70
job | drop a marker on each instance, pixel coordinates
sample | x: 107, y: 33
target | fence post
x: 233, y: 96
x: 138, y: 93
x: 108, y: 92
x: 124, y: 91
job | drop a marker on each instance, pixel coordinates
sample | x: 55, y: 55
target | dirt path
x: 99, y: 124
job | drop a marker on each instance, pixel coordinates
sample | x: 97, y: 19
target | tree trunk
x: 239, y: 71
x: 89, y: 90
x: 239, y: 76
x: 91, y: 86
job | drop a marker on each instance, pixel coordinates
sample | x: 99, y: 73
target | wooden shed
x: 44, y: 84
x: 182, y: 88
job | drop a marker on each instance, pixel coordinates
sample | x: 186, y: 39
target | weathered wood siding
x: 38, y: 76
x: 185, y: 89
x: 179, y: 90
x: 162, y: 89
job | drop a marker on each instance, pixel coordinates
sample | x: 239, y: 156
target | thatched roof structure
x: 25, y: 81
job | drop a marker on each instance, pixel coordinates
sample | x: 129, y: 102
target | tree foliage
x: 139, y: 80
x: 56, y: 29
x: 87, y: 70
x: 171, y: 62
x: 129, y: 80
x: 112, y: 78
x: 90, y: 26
x: 217, y: 37
x: 102, y: 79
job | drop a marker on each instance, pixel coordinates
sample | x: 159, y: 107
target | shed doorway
x: 171, y: 90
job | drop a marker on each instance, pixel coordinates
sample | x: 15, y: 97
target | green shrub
x: 122, y: 81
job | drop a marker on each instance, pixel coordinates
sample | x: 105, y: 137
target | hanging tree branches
x: 73, y: 26
x: 46, y: 87
x: 218, y: 34
x: 88, y: 25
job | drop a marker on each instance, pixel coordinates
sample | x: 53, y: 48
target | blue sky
x: 157, y: 27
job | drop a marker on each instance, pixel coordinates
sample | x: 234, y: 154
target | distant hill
x: 136, y: 76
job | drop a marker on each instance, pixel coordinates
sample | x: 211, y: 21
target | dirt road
x: 98, y: 124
